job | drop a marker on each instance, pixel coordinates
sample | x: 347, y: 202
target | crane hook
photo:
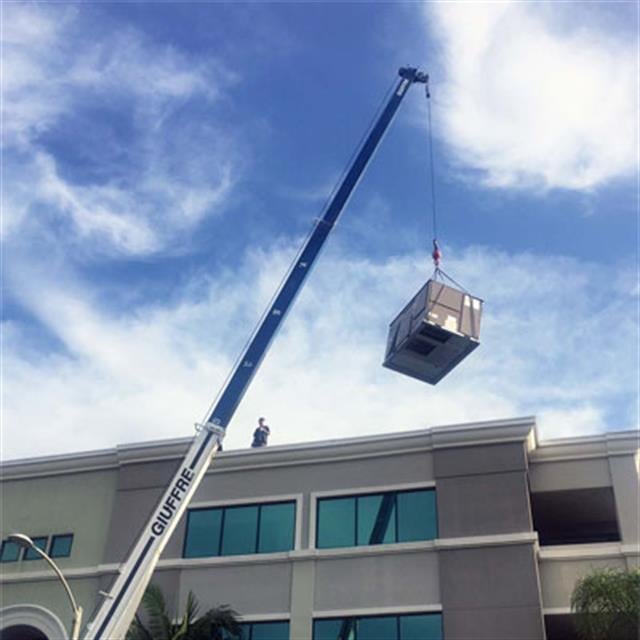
x: 436, y: 254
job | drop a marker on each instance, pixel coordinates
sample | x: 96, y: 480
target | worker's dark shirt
x: 260, y: 436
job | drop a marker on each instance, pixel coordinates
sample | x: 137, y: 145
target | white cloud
x: 558, y: 339
x: 64, y: 76
x: 535, y: 95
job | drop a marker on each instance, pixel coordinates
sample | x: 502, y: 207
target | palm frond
x: 159, y: 621
x: 213, y: 622
x: 606, y: 604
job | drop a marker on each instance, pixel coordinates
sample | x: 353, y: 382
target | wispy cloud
x: 534, y: 96
x: 558, y: 339
x: 98, y: 122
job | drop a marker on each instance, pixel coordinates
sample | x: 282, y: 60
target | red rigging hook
x: 436, y: 254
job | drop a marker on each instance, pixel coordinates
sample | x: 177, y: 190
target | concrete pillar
x: 302, y: 597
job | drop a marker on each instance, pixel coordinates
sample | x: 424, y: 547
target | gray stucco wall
x: 78, y: 503
x: 487, y: 593
x: 491, y: 594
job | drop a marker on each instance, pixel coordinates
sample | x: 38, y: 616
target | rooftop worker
x: 261, y: 434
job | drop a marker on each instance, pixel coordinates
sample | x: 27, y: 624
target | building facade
x: 463, y: 532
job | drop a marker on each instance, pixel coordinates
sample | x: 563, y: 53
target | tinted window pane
x: 383, y: 628
x: 330, y: 630
x: 10, y: 551
x: 277, y: 524
x: 374, y: 510
x: 41, y: 543
x: 423, y: 627
x: 61, y: 546
x: 336, y: 523
x: 417, y: 519
x: 239, y: 530
x: 270, y: 631
x: 203, y: 533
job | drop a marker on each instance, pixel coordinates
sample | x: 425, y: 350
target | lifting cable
x: 436, y: 254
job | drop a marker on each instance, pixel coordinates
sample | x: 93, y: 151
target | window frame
x: 357, y: 492
x: 260, y: 501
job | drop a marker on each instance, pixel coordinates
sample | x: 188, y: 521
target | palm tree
x: 217, y: 623
x: 606, y: 604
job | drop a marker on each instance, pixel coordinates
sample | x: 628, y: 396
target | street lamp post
x: 27, y: 543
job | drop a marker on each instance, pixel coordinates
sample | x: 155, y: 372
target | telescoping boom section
x: 114, y: 615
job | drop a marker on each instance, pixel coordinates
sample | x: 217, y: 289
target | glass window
x: 336, y: 522
x: 417, y: 518
x: 270, y: 631
x: 61, y: 546
x: 405, y: 627
x: 377, y: 628
x: 239, y: 530
x: 383, y: 518
x: 236, y: 530
x: 41, y: 543
x: 277, y: 527
x: 376, y: 514
x: 421, y: 627
x: 334, y: 630
x: 10, y: 551
x: 203, y: 533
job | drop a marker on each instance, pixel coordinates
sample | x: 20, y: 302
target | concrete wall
x: 491, y: 592
x: 78, y: 503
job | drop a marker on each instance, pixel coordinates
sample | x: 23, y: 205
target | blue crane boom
x: 114, y: 615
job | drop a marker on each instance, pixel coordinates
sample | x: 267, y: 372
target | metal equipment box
x: 434, y: 332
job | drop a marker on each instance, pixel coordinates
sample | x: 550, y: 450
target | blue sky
x: 163, y: 161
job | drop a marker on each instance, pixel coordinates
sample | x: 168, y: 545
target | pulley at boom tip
x: 413, y: 74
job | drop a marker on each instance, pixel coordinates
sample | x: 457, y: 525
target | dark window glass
x: 277, y: 526
x: 417, y: 518
x: 61, y: 546
x: 381, y: 518
x: 378, y: 628
x: 421, y: 627
x: 203, y: 533
x: 376, y: 513
x: 240, y: 530
x: 330, y: 630
x: 408, y: 627
x: 245, y: 633
x: 270, y: 631
x: 336, y: 522
x: 10, y: 551
x: 41, y: 543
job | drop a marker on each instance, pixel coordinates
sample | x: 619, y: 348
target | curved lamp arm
x: 27, y: 543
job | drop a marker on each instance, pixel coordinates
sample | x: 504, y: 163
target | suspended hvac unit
x: 434, y: 332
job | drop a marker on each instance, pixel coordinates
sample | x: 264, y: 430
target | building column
x: 302, y: 597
